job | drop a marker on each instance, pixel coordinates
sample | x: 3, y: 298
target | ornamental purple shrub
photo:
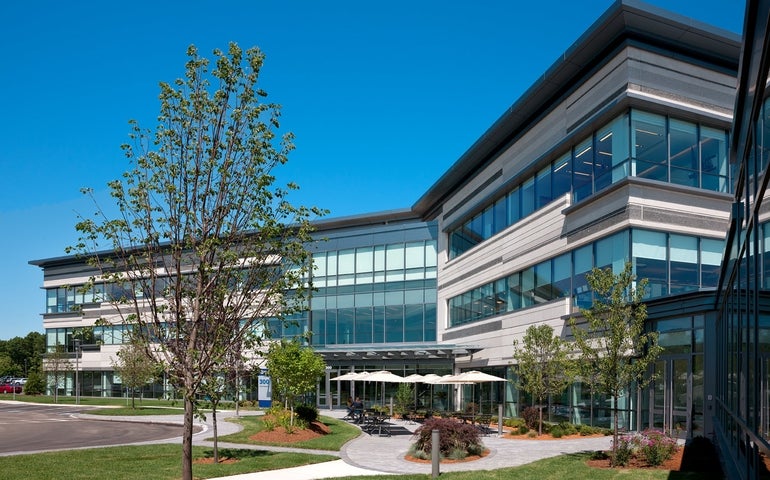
x: 453, y: 436
x: 531, y: 416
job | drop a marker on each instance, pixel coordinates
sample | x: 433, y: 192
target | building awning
x: 342, y: 353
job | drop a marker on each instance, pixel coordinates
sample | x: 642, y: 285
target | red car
x: 10, y: 388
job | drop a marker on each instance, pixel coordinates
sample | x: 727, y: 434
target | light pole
x: 76, y: 341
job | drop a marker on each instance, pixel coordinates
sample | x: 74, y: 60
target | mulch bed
x: 469, y: 458
x: 699, y: 455
x: 674, y: 463
x: 279, y: 435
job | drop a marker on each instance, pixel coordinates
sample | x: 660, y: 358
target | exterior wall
x: 617, y: 84
x: 742, y: 404
x: 633, y: 77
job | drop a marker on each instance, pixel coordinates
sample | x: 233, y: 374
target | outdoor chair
x: 482, y: 422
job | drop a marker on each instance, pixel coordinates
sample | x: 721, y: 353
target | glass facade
x: 375, y: 294
x: 70, y: 298
x: 671, y: 262
x: 93, y: 335
x: 637, y: 144
x: 743, y: 354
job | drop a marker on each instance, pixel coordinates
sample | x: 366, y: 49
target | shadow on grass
x: 238, y: 453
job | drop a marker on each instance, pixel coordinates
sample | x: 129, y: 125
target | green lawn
x: 148, y: 462
x: 138, y: 411
x: 162, y: 462
x: 341, y: 433
x: 104, y: 401
x: 559, y: 468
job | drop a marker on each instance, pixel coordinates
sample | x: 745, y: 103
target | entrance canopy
x: 344, y: 354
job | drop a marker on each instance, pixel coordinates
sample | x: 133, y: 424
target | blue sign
x: 264, y: 390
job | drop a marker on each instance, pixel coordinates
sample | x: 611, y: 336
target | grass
x: 128, y: 411
x: 341, y: 433
x: 558, y: 468
x: 149, y: 462
x: 90, y: 401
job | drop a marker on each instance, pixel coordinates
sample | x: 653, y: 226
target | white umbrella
x: 453, y: 379
x: 434, y: 379
x: 351, y: 376
x: 383, y: 376
x: 414, y: 378
x: 472, y: 377
x: 430, y: 378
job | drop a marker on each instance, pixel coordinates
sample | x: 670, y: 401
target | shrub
x: 472, y: 408
x: 567, y: 428
x: 417, y: 453
x: 457, y: 454
x: 531, y: 417
x: 557, y: 432
x: 656, y: 447
x: 532, y: 434
x: 523, y: 429
x: 306, y: 414
x: 275, y: 416
x: 452, y: 436
x: 624, y: 450
x: 35, y: 383
x: 269, y: 422
x: 513, y: 422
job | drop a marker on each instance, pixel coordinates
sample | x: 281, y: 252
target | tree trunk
x: 614, y: 427
x: 214, y: 421
x: 187, y: 433
x: 540, y: 423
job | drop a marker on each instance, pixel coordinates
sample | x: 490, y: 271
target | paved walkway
x: 375, y: 455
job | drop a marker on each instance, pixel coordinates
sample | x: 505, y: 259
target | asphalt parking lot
x: 28, y: 428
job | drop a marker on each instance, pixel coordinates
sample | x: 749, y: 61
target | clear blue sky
x: 383, y: 97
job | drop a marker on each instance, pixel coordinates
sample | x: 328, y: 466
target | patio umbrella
x: 383, y: 376
x: 430, y: 378
x: 350, y: 376
x: 414, y: 378
x: 472, y: 377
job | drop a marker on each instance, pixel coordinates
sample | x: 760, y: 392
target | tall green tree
x: 204, y: 245
x: 543, y: 365
x: 7, y: 367
x: 25, y: 353
x: 613, y: 338
x: 293, y: 369
x: 135, y: 367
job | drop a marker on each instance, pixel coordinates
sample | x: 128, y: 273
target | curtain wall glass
x: 636, y: 143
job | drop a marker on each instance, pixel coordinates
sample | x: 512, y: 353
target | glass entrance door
x: 671, y: 405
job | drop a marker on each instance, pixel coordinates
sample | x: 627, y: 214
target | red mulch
x: 547, y: 436
x: 469, y: 458
x: 279, y: 435
x: 674, y: 463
